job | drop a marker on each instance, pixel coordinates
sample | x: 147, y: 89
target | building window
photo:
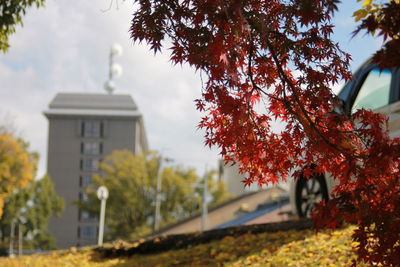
x: 86, y: 217
x: 89, y: 164
x: 88, y: 232
x: 91, y: 148
x: 83, y: 197
x: 91, y: 129
x: 86, y: 180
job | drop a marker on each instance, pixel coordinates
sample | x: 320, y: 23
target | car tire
x: 309, y: 192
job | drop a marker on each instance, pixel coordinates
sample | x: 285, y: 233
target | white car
x: 370, y: 88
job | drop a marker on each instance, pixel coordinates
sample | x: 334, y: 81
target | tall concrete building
x: 233, y: 178
x: 83, y: 129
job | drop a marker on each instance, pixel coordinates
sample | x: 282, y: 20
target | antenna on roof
x: 115, y: 69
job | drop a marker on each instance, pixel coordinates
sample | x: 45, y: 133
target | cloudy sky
x: 64, y: 48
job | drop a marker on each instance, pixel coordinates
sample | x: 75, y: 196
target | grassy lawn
x: 289, y: 248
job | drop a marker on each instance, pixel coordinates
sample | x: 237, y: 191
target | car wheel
x: 309, y: 192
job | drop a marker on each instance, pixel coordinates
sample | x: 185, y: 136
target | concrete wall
x: 120, y: 135
x: 233, y: 179
x: 63, y: 167
x: 64, y: 161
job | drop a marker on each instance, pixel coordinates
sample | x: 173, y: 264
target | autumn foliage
x: 16, y: 166
x: 289, y: 248
x: 382, y: 20
x: 267, y: 61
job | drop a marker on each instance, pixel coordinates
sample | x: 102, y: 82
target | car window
x: 374, y: 92
x: 345, y: 92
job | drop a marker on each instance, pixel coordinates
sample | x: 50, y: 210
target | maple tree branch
x: 284, y: 77
x: 250, y: 75
x: 254, y: 86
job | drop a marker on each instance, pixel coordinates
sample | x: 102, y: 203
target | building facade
x: 83, y: 129
x: 234, y: 180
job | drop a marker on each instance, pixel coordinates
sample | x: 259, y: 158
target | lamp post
x: 20, y: 220
x: 102, y: 194
x: 12, y: 230
x: 20, y: 237
x: 204, y: 210
x: 158, y: 196
x: 158, y: 193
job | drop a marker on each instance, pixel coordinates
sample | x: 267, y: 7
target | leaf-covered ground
x: 290, y: 248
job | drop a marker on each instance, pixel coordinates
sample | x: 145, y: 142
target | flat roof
x: 93, y: 101
x: 84, y: 104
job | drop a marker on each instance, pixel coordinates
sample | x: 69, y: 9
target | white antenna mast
x: 115, y: 69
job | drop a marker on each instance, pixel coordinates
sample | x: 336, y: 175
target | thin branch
x: 109, y: 8
x: 253, y: 83
x: 284, y: 77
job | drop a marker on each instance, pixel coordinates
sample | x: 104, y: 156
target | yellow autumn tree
x: 16, y: 166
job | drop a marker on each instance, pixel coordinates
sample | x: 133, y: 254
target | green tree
x: 182, y: 191
x: 178, y: 194
x: 11, y: 13
x: 131, y: 181
x: 32, y: 206
x: 217, y: 189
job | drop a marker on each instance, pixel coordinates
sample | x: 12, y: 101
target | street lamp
x: 11, y: 249
x: 204, y: 208
x: 20, y: 219
x: 102, y: 194
x: 158, y: 193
